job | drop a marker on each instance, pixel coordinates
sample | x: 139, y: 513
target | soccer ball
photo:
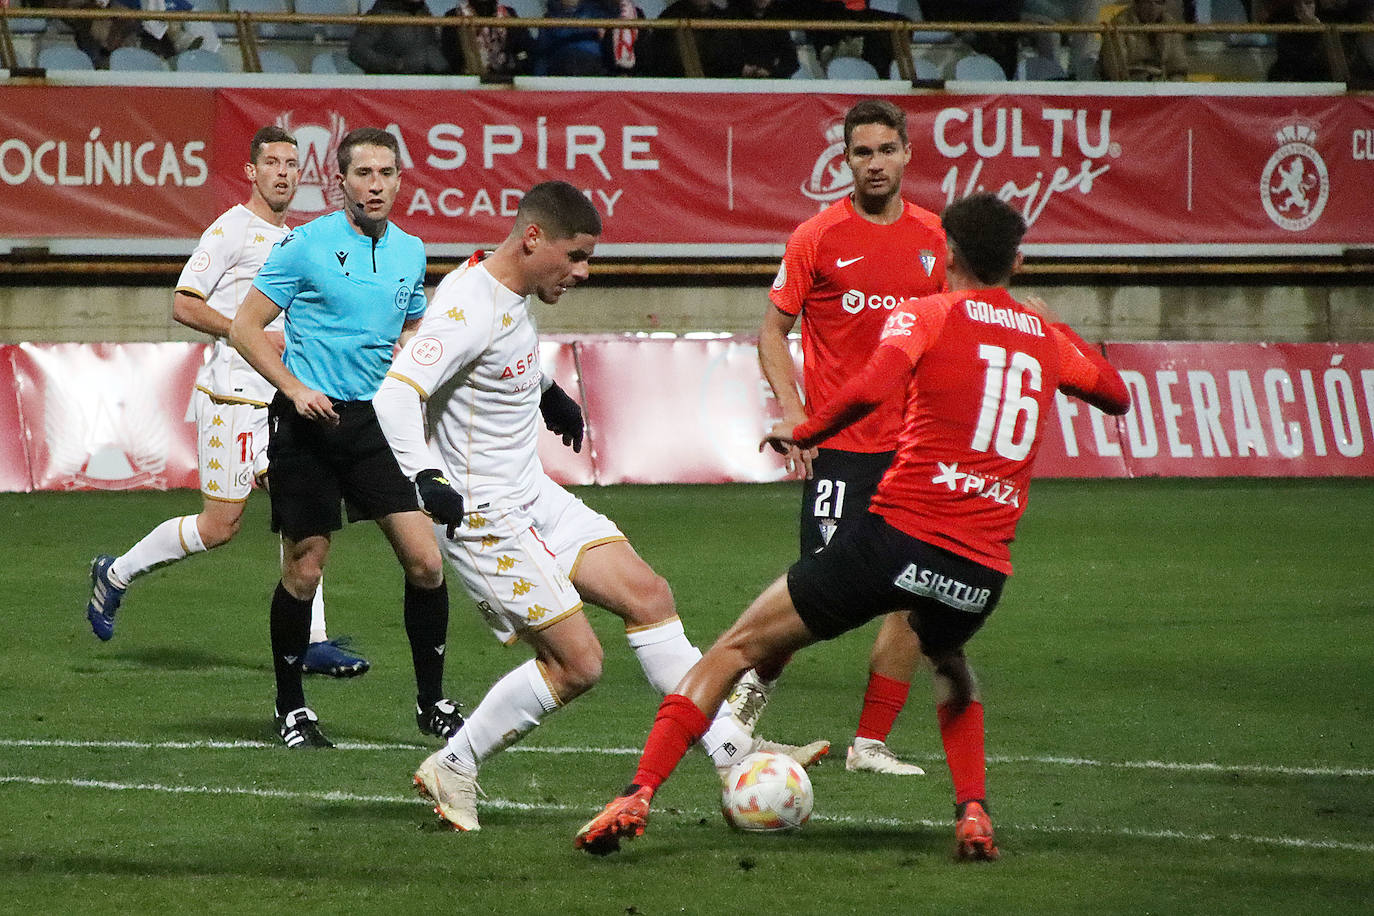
x: 767, y: 792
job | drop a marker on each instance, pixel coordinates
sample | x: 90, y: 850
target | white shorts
x: 231, y: 447
x: 515, y: 563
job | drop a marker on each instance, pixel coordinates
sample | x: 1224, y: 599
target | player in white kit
x: 528, y: 551
x: 230, y: 398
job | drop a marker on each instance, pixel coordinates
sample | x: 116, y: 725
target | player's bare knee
x: 217, y: 531
x: 954, y: 682
x: 648, y: 602
x: 575, y: 674
x: 425, y: 571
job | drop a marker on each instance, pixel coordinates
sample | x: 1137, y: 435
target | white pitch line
x: 509, y: 805
x: 1045, y: 760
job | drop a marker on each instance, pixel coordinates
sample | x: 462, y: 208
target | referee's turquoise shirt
x: 346, y: 298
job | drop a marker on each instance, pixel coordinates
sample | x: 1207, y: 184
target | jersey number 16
x: 1005, y: 404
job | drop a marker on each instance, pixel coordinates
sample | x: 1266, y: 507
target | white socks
x: 666, y: 656
x: 175, y: 539
x: 510, y: 711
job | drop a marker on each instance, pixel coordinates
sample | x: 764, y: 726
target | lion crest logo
x: 1295, y: 186
x: 830, y: 178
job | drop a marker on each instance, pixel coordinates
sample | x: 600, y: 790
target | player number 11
x: 1004, y: 403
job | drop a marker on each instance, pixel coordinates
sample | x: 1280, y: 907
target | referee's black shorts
x: 312, y: 467
x: 838, y: 492
x: 870, y: 568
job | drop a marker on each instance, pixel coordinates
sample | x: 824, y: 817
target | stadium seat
x: 850, y: 68
x: 28, y: 26
x: 533, y: 9
x: 652, y: 8
x: 440, y: 7
x: 979, y: 67
x: 272, y: 29
x: 333, y: 62
x: 924, y: 69
x: 1232, y: 11
x: 136, y: 59
x: 1040, y: 68
x: 199, y: 61
x: 64, y: 57
x: 329, y: 8
x: 222, y: 29
x: 276, y: 62
x: 911, y: 9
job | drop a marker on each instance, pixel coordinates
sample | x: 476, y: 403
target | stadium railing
x: 688, y: 32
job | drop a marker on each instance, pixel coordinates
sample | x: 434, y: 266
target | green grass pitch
x: 1180, y: 703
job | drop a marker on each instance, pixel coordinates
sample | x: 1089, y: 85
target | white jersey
x: 221, y: 271
x: 476, y: 361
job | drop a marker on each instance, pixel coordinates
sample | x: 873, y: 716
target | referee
x: 351, y: 286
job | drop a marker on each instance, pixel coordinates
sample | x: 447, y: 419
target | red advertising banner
x: 14, y: 456
x: 709, y: 173
x: 1264, y: 410
x: 108, y: 416
x: 107, y: 162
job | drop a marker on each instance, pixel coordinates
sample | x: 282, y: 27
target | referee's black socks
x: 289, y: 626
x: 426, y: 615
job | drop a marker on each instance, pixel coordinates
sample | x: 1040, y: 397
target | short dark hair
x: 983, y: 233
x: 875, y: 111
x: 366, y: 136
x: 265, y: 135
x: 559, y: 209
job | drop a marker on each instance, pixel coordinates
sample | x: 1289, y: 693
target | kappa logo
x: 317, y: 145
x: 830, y: 178
x: 1295, y: 186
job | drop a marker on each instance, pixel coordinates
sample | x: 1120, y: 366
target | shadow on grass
x: 165, y: 658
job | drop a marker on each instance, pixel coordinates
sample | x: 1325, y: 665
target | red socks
x: 676, y: 728
x: 963, y: 739
x: 883, y: 700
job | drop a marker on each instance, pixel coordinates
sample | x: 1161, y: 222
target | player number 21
x: 1005, y: 406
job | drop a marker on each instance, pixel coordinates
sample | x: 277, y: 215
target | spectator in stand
x: 763, y: 54
x: 96, y: 37
x: 626, y: 51
x: 1000, y: 46
x: 571, y: 50
x: 1359, y: 47
x: 409, y: 49
x: 1151, y: 57
x: 504, y: 52
x: 719, y: 52
x: 874, y: 47
x: 1298, y: 57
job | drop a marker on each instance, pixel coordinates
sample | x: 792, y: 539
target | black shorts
x: 870, y: 568
x: 312, y: 467
x: 839, y: 490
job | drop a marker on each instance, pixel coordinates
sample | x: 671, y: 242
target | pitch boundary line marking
x: 1048, y: 760
x: 509, y: 805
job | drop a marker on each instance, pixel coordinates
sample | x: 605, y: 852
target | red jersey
x: 844, y: 276
x: 980, y: 372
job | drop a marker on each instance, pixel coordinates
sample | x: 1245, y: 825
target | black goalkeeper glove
x: 562, y: 416
x: 439, y: 500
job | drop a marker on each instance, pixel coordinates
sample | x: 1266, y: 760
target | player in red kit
x: 844, y: 272
x: 977, y: 372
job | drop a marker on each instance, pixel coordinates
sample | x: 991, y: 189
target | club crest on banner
x: 106, y: 433
x: 317, y: 146
x: 830, y: 178
x: 1295, y: 185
